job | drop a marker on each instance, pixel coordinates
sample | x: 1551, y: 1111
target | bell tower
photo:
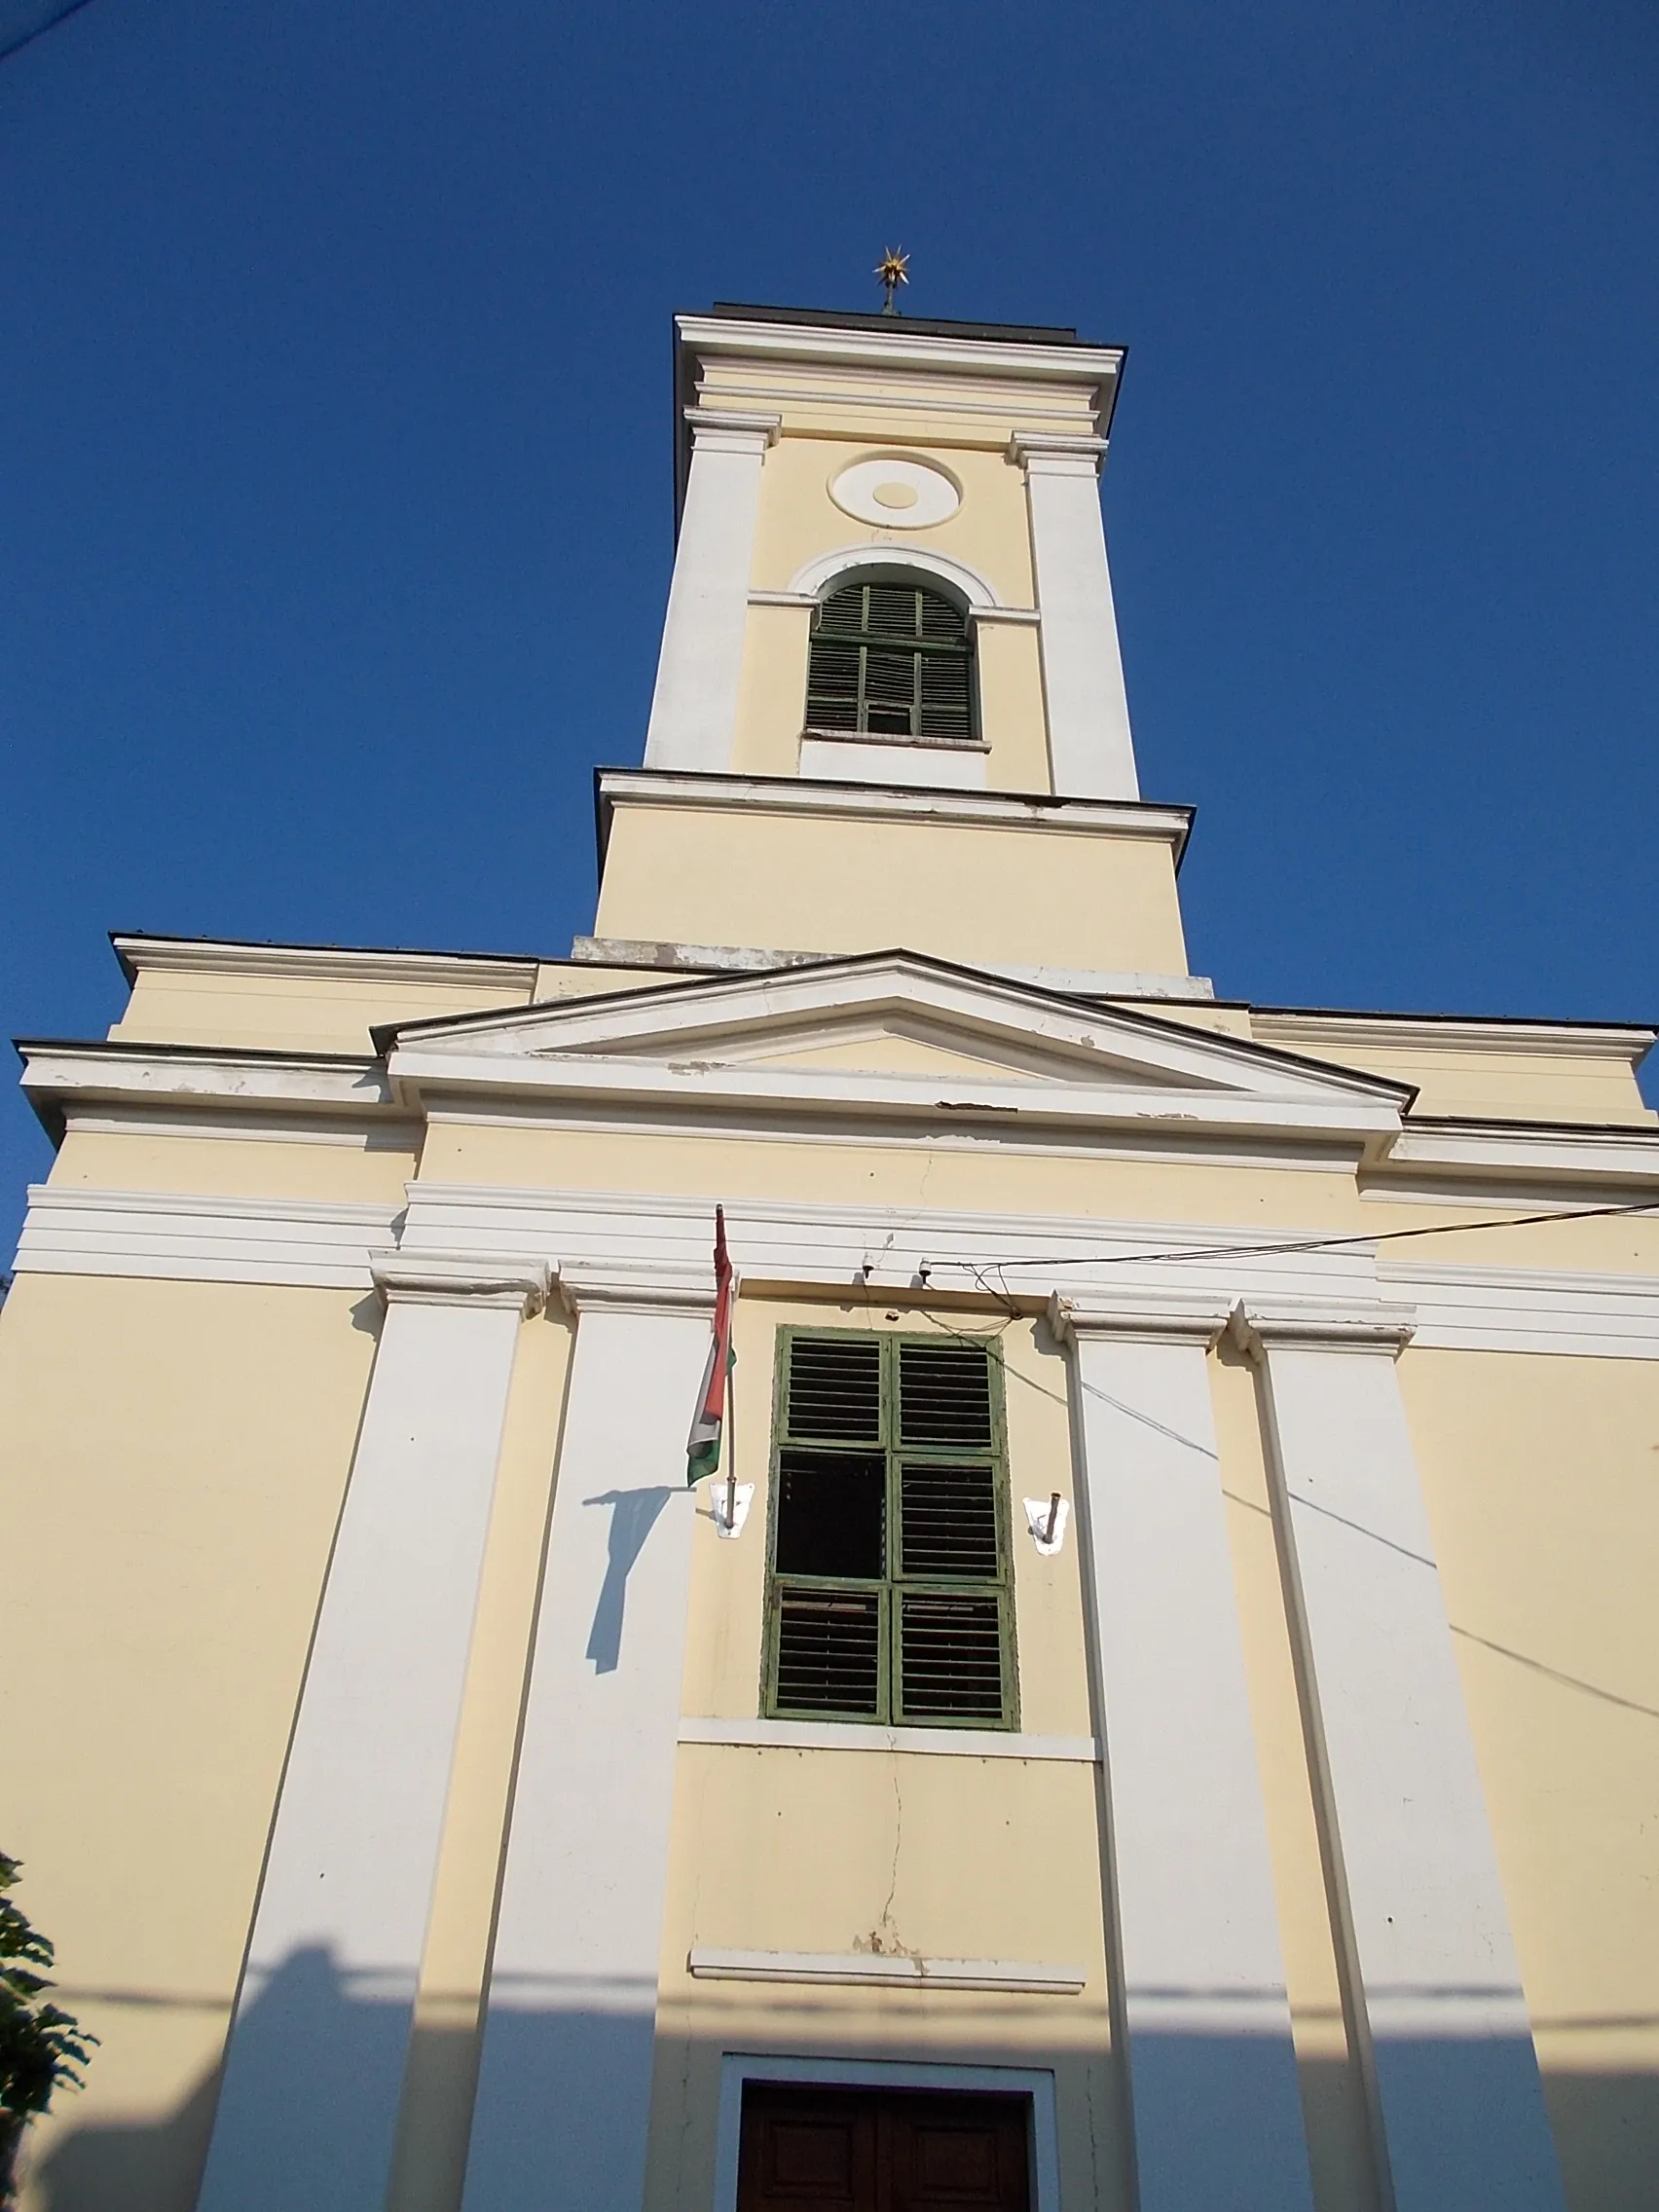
x: 890, y: 706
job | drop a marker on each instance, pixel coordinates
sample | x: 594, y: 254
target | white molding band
x: 185, y: 1237
x: 1090, y: 751
x: 693, y: 716
x: 865, y: 1970
x: 354, y: 1853
x: 859, y: 1736
x: 565, y: 2077
x: 1432, y: 1978
x: 333, y: 1245
x: 1211, y: 2066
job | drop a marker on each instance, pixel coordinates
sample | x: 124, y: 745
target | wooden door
x: 811, y: 2150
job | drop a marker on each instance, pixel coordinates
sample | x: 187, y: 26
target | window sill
x: 873, y: 1736
x: 876, y: 737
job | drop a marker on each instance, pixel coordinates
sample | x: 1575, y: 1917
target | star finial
x: 892, y: 269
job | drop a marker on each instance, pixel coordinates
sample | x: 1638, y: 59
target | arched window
x: 891, y: 659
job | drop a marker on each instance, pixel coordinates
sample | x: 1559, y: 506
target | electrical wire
x: 1255, y: 1251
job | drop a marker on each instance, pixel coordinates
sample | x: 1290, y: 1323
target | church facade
x: 1152, y: 1702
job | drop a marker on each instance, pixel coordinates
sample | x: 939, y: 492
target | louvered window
x: 890, y: 660
x: 891, y: 1596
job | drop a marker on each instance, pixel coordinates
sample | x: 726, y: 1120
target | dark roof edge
x: 1484, y: 1020
x: 923, y: 326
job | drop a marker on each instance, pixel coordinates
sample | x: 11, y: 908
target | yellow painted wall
x: 1542, y: 1482
x: 176, y: 1456
x: 950, y: 1173
x: 362, y: 1169
x: 771, y: 703
x: 827, y: 1850
x: 1457, y: 1081
x: 1024, y: 895
x: 310, y: 1013
x: 798, y: 520
x: 1011, y: 714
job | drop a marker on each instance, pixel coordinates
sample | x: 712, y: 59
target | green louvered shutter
x: 890, y: 660
x: 891, y: 1591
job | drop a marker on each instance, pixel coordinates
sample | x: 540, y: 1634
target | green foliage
x: 42, y: 2048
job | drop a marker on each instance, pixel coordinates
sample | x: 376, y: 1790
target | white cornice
x: 55, y: 1075
x: 872, y: 803
x: 694, y: 1092
x: 1516, y: 1154
x: 321, y: 963
x: 711, y: 338
x: 1408, y: 1032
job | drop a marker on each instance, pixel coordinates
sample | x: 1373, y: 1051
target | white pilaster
x: 1090, y: 752
x: 314, y: 2064
x: 1456, y: 2102
x: 1217, y: 2111
x: 564, y: 2093
x: 694, y: 706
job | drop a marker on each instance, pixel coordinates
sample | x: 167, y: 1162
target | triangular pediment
x: 897, y: 1029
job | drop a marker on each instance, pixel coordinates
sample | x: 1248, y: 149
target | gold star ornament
x: 893, y: 268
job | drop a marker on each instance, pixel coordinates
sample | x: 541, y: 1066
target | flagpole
x: 731, y: 1415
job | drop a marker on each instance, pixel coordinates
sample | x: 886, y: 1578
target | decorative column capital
x: 685, y: 1292
x: 1321, y: 1324
x: 712, y: 430
x: 461, y: 1279
x: 1152, y: 1317
x: 1051, y: 452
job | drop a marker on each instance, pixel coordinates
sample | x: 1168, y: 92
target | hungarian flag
x: 703, y: 1445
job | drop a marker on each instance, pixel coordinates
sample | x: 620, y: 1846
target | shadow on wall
x: 558, y: 2061
x: 633, y: 1516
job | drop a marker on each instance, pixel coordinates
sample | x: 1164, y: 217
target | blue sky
x: 335, y: 448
